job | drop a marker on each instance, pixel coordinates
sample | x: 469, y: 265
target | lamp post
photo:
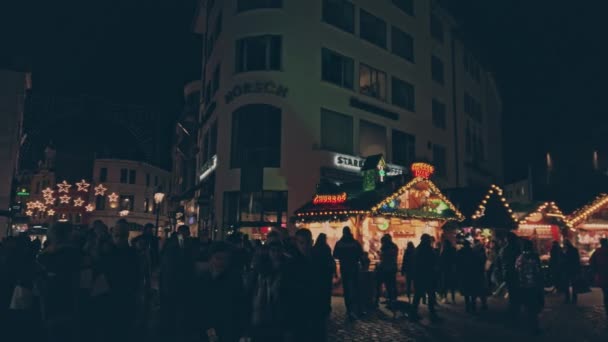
x: 158, y: 199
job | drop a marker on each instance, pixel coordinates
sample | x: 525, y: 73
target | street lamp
x: 158, y: 199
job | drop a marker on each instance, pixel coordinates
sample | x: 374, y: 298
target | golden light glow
x: 65, y: 199
x: 64, y: 187
x: 78, y: 202
x: 89, y: 207
x: 29, y: 213
x: 49, y: 200
x: 83, y: 185
x: 48, y: 192
x: 113, y: 197
x: 51, y: 212
x: 100, y: 190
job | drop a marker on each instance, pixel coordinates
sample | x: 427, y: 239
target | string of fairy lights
x: 65, y: 196
x: 583, y: 213
x: 493, y: 191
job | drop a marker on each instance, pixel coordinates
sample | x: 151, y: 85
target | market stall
x: 380, y: 205
x: 590, y: 224
x: 543, y: 225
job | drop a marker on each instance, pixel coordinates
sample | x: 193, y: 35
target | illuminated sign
x: 422, y: 170
x: 329, y: 199
x: 268, y: 87
x: 207, y: 168
x: 23, y: 192
x: 351, y: 163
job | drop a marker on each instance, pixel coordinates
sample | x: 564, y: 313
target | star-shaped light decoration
x: 89, y: 207
x: 100, y: 190
x: 31, y: 205
x: 113, y: 197
x: 64, y: 187
x: 48, y: 192
x: 65, y: 199
x: 83, y: 185
x: 29, y: 213
x: 49, y: 200
x: 40, y: 205
x: 78, y: 202
x: 51, y: 212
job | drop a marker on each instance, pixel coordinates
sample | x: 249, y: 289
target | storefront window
x: 266, y: 208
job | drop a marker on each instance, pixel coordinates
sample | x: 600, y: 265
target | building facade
x: 13, y: 86
x: 129, y: 189
x: 296, y: 93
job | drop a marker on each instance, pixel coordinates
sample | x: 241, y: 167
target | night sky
x: 549, y: 58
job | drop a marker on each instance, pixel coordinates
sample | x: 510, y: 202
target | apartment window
x: 155, y: 180
x: 372, y: 139
x: 437, y: 70
x: 372, y: 82
x: 100, y: 203
x: 206, y: 147
x: 336, y: 132
x: 258, y: 53
x: 216, y: 79
x: 337, y: 69
x: 256, y: 136
x: 472, y: 107
x: 472, y: 67
x: 403, y: 94
x: 436, y: 28
x: 440, y: 160
x: 372, y: 29
x: 124, y: 176
x: 126, y: 202
x: 402, y: 44
x: 213, y: 140
x: 147, y: 179
x: 248, y: 5
x: 132, y: 176
x: 103, y: 174
x: 406, y: 6
x: 339, y: 13
x: 438, y: 110
x: 404, y: 148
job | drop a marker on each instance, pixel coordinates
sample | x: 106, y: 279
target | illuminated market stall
x: 488, y: 214
x: 590, y: 224
x: 380, y: 205
x: 543, y: 225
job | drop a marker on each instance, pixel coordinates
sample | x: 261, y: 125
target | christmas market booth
x: 380, y: 205
x: 543, y: 225
x: 488, y: 214
x: 590, y: 224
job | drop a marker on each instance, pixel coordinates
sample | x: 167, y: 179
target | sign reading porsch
x: 268, y: 87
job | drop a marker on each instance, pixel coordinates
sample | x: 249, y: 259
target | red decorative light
x: 329, y: 199
x: 422, y: 170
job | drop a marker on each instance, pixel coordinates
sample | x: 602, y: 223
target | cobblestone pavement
x: 585, y: 322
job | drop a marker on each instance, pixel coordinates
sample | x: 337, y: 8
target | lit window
x: 372, y: 82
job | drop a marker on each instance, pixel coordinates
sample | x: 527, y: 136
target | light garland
x: 48, y: 192
x: 100, y: 190
x: 497, y: 191
x: 83, y: 186
x: 78, y: 202
x: 51, y: 212
x: 113, y: 197
x: 64, y: 187
x: 588, y: 210
x: 65, y: 199
x: 545, y: 208
x: 89, y: 208
x: 49, y: 200
x: 31, y: 205
x: 29, y: 213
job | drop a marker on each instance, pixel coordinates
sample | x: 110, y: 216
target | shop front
x: 590, y: 224
x: 380, y: 205
x: 543, y: 225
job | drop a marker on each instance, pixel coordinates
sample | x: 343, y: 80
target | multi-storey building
x: 298, y: 92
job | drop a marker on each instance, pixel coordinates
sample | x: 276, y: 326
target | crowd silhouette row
x: 96, y: 285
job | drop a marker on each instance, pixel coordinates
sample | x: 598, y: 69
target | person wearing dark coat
x: 326, y: 265
x: 425, y: 274
x: 470, y: 269
x: 599, y: 266
x: 407, y: 266
x: 556, y: 265
x: 386, y: 270
x: 350, y: 253
x: 508, y: 256
x: 447, y: 267
x: 571, y: 272
x: 530, y: 284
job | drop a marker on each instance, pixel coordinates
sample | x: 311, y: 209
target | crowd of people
x: 96, y: 285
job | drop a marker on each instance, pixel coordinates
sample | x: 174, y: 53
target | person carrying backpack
x: 530, y: 284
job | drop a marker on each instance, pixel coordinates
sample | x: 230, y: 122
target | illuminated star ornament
x: 51, y: 212
x: 83, y: 186
x: 65, y: 199
x: 100, y: 190
x: 113, y: 197
x: 89, y: 207
x: 49, y: 200
x: 78, y: 202
x: 31, y: 205
x: 48, y: 192
x: 29, y: 213
x: 64, y: 187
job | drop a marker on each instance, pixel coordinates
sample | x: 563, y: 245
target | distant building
x: 13, y: 86
x: 130, y: 187
x: 299, y: 92
x: 518, y: 192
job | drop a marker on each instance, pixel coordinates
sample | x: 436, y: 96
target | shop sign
x: 23, y: 192
x: 351, y: 163
x: 207, y: 168
x: 423, y: 170
x: 258, y: 87
x: 329, y: 199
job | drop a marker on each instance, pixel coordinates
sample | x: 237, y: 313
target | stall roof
x: 546, y: 209
x: 587, y: 210
x: 484, y: 207
x: 374, y: 202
